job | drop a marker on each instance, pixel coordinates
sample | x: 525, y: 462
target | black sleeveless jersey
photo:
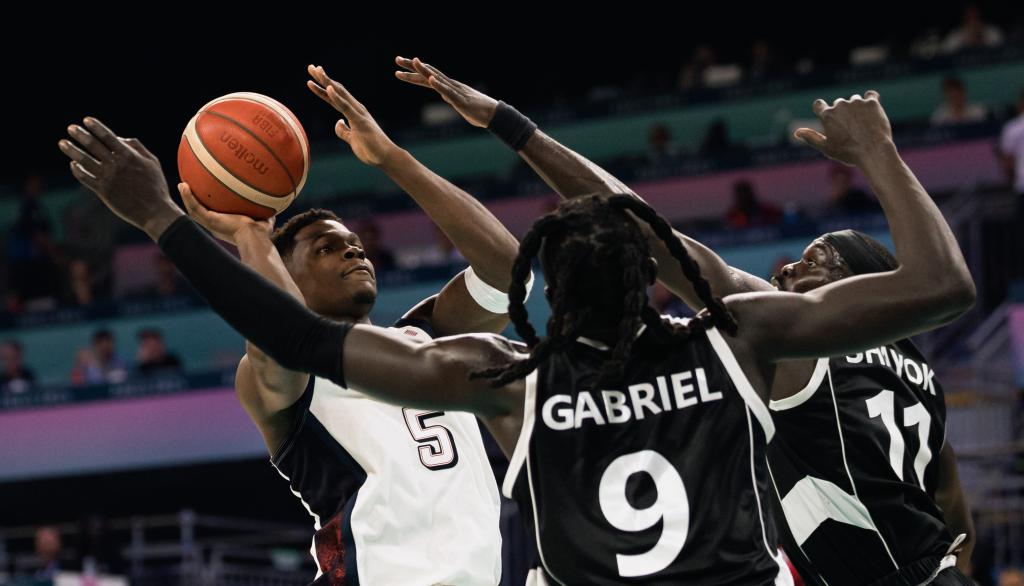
x: 660, y: 481
x: 853, y: 466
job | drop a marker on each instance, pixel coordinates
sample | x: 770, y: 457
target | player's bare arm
x: 931, y: 287
x: 438, y: 375
x: 955, y: 508
x: 572, y: 175
x: 481, y: 238
x: 264, y: 388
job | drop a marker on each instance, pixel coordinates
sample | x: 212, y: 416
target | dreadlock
x: 597, y: 262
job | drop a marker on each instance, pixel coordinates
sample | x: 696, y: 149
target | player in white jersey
x: 398, y: 496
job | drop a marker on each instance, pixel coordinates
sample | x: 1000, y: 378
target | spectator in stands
x: 716, y: 142
x: 1011, y: 151
x: 692, y: 74
x: 16, y: 377
x: 106, y: 366
x: 90, y: 233
x: 659, y: 143
x: 973, y: 33
x: 748, y: 211
x: 844, y: 196
x: 47, y: 553
x: 80, y: 285
x: 84, y: 365
x: 167, y: 281
x: 152, y: 357
x: 441, y: 253
x: 955, y: 109
x: 764, y: 61
x: 1010, y: 577
x: 32, y: 255
x: 381, y: 257
x: 96, y: 546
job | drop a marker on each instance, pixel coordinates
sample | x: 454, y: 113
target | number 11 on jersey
x: 883, y: 405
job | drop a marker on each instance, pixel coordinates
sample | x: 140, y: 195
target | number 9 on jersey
x: 671, y: 506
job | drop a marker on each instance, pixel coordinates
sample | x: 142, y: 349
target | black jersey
x: 661, y: 481
x: 853, y: 466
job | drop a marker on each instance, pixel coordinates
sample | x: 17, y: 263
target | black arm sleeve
x: 295, y: 337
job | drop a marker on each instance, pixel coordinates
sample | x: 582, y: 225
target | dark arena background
x: 125, y: 457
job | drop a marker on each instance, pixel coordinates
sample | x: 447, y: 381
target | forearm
x: 479, y: 236
x: 925, y: 244
x: 435, y: 375
x: 958, y: 520
x: 572, y: 175
x: 955, y: 510
x: 283, y: 328
x: 258, y: 253
x: 566, y: 171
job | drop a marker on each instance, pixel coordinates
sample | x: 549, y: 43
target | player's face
x: 818, y: 266
x: 330, y: 268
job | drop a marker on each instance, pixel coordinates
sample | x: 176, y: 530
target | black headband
x: 856, y: 250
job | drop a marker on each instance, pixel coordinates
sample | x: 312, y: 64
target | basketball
x: 244, y: 153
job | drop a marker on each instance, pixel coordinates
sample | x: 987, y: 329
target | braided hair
x: 597, y: 263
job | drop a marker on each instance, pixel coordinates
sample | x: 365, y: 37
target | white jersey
x: 398, y: 495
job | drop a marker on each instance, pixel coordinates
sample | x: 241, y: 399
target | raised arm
x: 128, y: 179
x: 481, y: 238
x: 264, y: 387
x: 931, y: 286
x: 572, y: 175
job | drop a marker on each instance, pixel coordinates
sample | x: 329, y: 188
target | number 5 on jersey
x: 437, y: 445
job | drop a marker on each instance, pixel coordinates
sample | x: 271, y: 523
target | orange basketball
x: 244, y: 153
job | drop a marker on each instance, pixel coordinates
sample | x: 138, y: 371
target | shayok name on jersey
x: 916, y: 374
x: 676, y: 391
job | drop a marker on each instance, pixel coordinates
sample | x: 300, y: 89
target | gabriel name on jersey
x: 666, y: 393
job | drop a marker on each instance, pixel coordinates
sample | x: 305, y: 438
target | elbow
x: 949, y: 295
x: 959, y: 294
x: 967, y: 296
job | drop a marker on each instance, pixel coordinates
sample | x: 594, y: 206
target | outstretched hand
x: 476, y: 107
x: 357, y: 127
x: 123, y: 173
x: 854, y: 128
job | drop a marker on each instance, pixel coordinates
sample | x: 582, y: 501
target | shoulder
x: 417, y: 323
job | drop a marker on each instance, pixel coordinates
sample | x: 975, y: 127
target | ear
x: 650, y: 267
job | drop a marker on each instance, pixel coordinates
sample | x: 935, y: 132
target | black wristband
x: 511, y: 126
x: 295, y: 337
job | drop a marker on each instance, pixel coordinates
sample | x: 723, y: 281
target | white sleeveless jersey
x: 398, y: 495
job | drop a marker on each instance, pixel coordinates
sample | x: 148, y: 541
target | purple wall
x: 198, y: 426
